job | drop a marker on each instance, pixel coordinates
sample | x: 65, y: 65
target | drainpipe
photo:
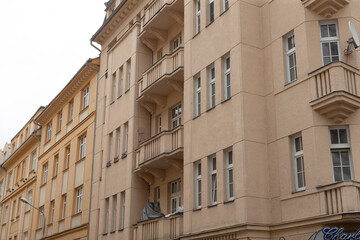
x: 91, y: 43
x: 93, y: 150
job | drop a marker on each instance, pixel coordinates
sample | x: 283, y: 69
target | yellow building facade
x: 18, y: 180
x: 65, y: 159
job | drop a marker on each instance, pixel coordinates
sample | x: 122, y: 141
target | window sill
x: 288, y: 83
x: 223, y: 12
x: 213, y: 205
x: 196, y: 116
x: 43, y: 184
x: 208, y: 24
x: 229, y: 201
x: 58, y: 132
x: 69, y: 122
x: 84, y: 109
x: 104, y: 234
x: 225, y: 100
x: 196, y: 34
x: 119, y: 96
x: 26, y: 211
x: 76, y: 214
x: 209, y: 109
x: 54, y: 177
x: 50, y: 224
x: 127, y: 90
x: 124, y: 155
x: 298, y: 191
x: 66, y: 169
x: 83, y: 158
x: 121, y: 229
x: 196, y: 209
x: 112, y: 102
x: 113, y: 231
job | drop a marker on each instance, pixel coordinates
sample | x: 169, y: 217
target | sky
x: 43, y: 44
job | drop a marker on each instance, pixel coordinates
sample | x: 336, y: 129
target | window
x: 18, y: 208
x: 340, y: 153
x: 63, y: 206
x: 213, y: 181
x: 107, y: 206
x: 113, y: 87
x: 176, y: 116
x: 198, y: 184
x: 298, y: 157
x: 211, y: 75
x: 13, y: 210
x: 56, y: 165
x: 5, y: 214
x: 121, y: 80
x: 227, y: 78
x: 229, y: 174
x: 329, y: 39
x: 157, y: 195
x: 41, y: 217
x: 128, y: 74
x: 34, y: 160
x: 59, y: 121
x: 45, y: 172
x: 197, y: 16
x: 52, y: 211
x: 158, y: 123
x: 126, y: 137
x: 118, y: 142
x: 175, y: 195
x: 23, y: 169
x: 48, y: 134
x: 25, y: 236
x: 225, y: 5
x: 159, y: 53
x: 78, y: 201
x: 122, y: 224
x: 176, y: 43
x: 1, y: 187
x: 114, y: 213
x: 291, y: 68
x: 82, y: 149
x: 197, y: 92
x: 211, y: 11
x: 71, y: 110
x: 29, y: 198
x: 67, y: 157
x: 11, y: 177
x: 85, y: 98
x: 110, y: 146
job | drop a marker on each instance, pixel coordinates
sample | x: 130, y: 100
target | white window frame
x: 126, y: 142
x: 197, y: 184
x: 158, y: 123
x: 129, y: 74
x: 197, y: 16
x: 227, y: 76
x: 211, y: 79
x: 341, y: 148
x: 229, y: 168
x: 176, y: 43
x: 118, y: 138
x: 211, y: 11
x: 197, y: 94
x: 1, y: 188
x: 59, y: 121
x: 56, y: 165
x: 290, y: 52
x: 85, y: 98
x: 107, y: 214
x: 34, y: 159
x: 113, y: 87
x: 110, y: 146
x: 5, y: 214
x: 45, y: 172
x: 114, y: 213
x: 41, y: 217
x: 71, y: 110
x: 176, y: 116
x: 63, y: 206
x: 52, y: 211
x: 29, y: 198
x: 329, y: 40
x: 175, y: 195
x: 121, y: 80
x: 82, y: 148
x: 213, y: 180
x: 79, y: 195
x: 157, y: 194
x: 67, y: 157
x: 122, y: 223
x: 225, y: 5
x: 298, y: 158
x: 48, y: 133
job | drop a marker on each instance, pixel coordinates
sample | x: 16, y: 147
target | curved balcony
x: 335, y: 91
x: 159, y: 228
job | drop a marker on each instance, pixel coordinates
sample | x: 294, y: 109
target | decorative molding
x: 325, y: 8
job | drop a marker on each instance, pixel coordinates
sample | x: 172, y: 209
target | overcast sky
x: 43, y: 44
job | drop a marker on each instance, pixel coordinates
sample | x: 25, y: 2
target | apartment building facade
x: 18, y: 180
x: 65, y: 159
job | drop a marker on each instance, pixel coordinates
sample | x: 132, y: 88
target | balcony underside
x: 336, y: 106
x: 155, y: 94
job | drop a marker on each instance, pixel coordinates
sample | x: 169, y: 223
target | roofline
x: 108, y: 19
x: 76, y: 74
x: 43, y: 107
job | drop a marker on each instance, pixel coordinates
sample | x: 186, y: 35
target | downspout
x: 93, y: 150
x: 91, y: 43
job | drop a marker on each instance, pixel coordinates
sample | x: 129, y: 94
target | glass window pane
x: 324, y: 31
x: 337, y: 174
x: 334, y: 48
x: 336, y: 158
x: 345, y: 158
x: 291, y: 61
x: 335, y: 59
x: 326, y: 49
x: 300, y: 180
x: 299, y: 164
x: 327, y: 60
x: 334, y: 136
x: 332, y: 30
x: 292, y: 74
x: 298, y: 144
x: 347, y: 173
x: 343, y: 136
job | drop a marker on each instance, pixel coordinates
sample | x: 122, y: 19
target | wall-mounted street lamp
x: 41, y: 212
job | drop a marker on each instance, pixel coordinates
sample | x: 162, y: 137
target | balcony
x: 160, y: 152
x: 334, y: 91
x: 159, y: 228
x: 327, y: 201
x: 162, y: 78
x: 160, y: 16
x: 325, y: 8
